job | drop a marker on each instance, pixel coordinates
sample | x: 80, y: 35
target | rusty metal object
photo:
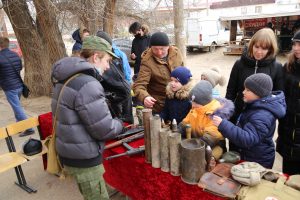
x: 155, y: 124
x: 188, y: 131
x: 193, y: 163
x: 147, y: 113
x: 174, y: 144
x: 164, y: 149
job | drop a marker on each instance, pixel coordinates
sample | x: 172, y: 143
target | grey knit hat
x: 202, y: 93
x: 260, y: 84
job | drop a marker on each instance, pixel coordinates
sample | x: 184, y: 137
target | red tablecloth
x: 137, y: 179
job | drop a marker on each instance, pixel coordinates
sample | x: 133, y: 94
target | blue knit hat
x: 182, y: 74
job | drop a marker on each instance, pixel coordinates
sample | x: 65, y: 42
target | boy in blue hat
x: 177, y: 103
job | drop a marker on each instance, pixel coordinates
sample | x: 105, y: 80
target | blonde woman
x: 259, y: 57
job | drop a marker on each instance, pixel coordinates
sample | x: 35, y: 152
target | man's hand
x: 133, y: 56
x: 217, y: 120
x: 149, y: 102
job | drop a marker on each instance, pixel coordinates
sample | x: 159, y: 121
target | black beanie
x: 104, y: 36
x: 159, y: 39
x: 260, y: 84
x: 296, y: 37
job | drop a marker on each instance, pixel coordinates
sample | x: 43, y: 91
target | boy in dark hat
x: 255, y: 126
x: 177, y: 104
x: 200, y: 116
x: 156, y: 66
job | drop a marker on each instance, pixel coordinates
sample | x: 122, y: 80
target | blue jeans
x: 13, y: 98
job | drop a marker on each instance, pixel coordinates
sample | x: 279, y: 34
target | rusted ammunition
x: 174, y: 144
x: 155, y: 124
x: 192, y: 160
x: 188, y: 131
x: 147, y: 113
x: 164, y: 149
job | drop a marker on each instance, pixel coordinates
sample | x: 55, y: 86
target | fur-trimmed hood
x: 181, y: 94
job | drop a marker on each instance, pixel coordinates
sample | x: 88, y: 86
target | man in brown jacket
x: 157, y: 63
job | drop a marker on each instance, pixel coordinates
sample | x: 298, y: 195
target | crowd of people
x: 93, y: 106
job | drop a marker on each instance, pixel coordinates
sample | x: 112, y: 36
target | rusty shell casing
x: 174, y: 144
x: 155, y: 125
x: 147, y: 114
x: 188, y: 131
x: 164, y: 149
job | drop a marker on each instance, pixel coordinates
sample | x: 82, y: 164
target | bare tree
x: 108, y: 20
x: 35, y: 47
x: 178, y: 26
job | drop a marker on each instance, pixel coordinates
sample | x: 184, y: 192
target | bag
x: 219, y: 181
x: 25, y: 91
x: 269, y: 190
x: 248, y: 173
x: 53, y: 163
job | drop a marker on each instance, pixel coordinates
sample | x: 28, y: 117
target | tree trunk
x: 3, y: 28
x: 178, y: 27
x: 49, y: 30
x: 108, y: 19
x: 36, y: 58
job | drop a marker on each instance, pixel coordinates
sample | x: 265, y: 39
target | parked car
x: 124, y: 45
x: 14, y: 46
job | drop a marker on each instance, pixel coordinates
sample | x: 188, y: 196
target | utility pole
x: 178, y: 26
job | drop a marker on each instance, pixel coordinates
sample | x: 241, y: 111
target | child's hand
x: 217, y: 120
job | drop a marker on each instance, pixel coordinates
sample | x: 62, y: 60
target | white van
x: 205, y: 32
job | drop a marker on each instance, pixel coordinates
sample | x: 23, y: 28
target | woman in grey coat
x: 83, y: 121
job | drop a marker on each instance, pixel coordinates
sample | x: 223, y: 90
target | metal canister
x: 192, y: 160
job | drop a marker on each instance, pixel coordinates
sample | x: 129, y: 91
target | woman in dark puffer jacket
x: 288, y: 143
x: 260, y: 57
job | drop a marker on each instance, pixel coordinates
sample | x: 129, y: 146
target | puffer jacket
x: 10, y: 67
x: 154, y: 76
x: 177, y: 104
x: 255, y: 129
x: 245, y: 67
x: 83, y: 122
x: 200, y: 118
x: 288, y: 142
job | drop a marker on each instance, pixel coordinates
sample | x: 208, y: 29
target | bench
x: 15, y: 157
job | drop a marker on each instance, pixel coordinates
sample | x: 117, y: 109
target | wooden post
x: 233, y: 30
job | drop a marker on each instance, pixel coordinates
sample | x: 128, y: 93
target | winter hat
x: 97, y: 43
x: 182, y: 74
x: 260, y: 84
x: 214, y: 76
x: 159, y: 39
x: 202, y: 92
x: 296, y: 37
x: 104, y: 36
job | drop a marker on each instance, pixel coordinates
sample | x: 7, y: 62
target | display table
x: 137, y: 179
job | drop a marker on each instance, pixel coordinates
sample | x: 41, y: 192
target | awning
x: 261, y: 15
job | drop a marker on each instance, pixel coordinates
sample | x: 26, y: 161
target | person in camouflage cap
x: 83, y: 119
